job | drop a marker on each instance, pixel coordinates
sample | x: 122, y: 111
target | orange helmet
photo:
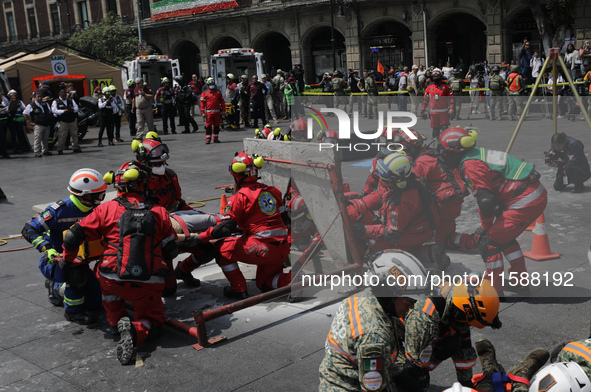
x: 480, y: 304
x: 298, y: 130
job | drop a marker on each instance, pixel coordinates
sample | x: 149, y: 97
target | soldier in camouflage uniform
x: 456, y: 84
x: 371, y: 87
x: 439, y: 328
x: 516, y: 380
x: 497, y: 90
x: 338, y: 86
x: 362, y: 345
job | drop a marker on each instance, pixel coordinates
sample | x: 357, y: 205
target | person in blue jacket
x: 78, y: 287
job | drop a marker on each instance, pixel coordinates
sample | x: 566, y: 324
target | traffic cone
x: 223, y: 204
x: 532, y: 226
x: 540, y: 249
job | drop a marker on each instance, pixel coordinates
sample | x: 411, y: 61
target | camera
x: 551, y: 158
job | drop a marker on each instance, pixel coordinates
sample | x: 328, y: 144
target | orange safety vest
x: 588, y: 79
x: 514, y: 82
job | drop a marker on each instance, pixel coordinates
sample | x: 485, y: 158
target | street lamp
x: 334, y: 54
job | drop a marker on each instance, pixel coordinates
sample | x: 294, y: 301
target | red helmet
x: 298, y: 130
x: 330, y: 137
x: 263, y: 133
x: 458, y: 139
x: 411, y: 146
x: 245, y: 167
x: 297, y: 207
x: 128, y: 178
x: 150, y: 151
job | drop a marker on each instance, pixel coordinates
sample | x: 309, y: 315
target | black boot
x: 186, y: 277
x: 126, y: 345
x: 82, y: 318
x: 55, y: 301
x: 229, y: 293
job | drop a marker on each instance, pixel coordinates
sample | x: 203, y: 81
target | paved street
x: 273, y: 346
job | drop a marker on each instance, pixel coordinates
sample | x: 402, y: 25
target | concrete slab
x: 273, y: 344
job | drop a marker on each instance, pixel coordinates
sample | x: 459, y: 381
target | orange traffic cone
x: 223, y: 204
x: 532, y: 226
x: 540, y: 248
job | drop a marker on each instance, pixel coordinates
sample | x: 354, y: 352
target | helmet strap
x: 474, y: 306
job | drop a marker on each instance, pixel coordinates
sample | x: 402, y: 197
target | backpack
x: 180, y: 95
x: 495, y: 84
x: 456, y: 85
x: 135, y: 253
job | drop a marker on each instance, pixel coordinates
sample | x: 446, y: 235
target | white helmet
x: 457, y: 387
x: 400, y: 274
x: 85, y: 182
x: 559, y: 377
x: 395, y: 169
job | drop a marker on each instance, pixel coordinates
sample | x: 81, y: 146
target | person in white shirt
x: 66, y: 111
x: 559, y: 92
x: 447, y: 70
x: 39, y: 116
x: 536, y: 65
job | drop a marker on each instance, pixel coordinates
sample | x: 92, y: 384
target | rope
x: 4, y: 241
x: 201, y: 203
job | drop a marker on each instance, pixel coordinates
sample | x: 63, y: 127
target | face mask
x: 158, y: 170
x: 211, y: 87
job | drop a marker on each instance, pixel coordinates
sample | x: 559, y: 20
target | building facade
x: 288, y: 32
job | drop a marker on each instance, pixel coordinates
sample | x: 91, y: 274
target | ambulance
x: 152, y: 68
x: 237, y: 61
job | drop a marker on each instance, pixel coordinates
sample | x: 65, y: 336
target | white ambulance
x: 237, y: 61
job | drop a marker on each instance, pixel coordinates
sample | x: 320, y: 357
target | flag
x: 172, y: 8
x: 373, y: 364
x: 380, y: 68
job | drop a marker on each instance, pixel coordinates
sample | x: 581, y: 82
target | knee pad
x: 74, y: 237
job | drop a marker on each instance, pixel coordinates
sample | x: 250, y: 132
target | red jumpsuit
x: 256, y: 209
x: 212, y: 107
x: 400, y: 211
x: 439, y: 98
x: 521, y: 203
x: 145, y: 296
x: 448, y: 187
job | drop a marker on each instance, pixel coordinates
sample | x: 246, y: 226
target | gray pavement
x: 272, y: 346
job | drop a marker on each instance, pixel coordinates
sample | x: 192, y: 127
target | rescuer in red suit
x: 255, y: 208
x: 509, y: 195
x: 412, y: 147
x: 145, y: 293
x: 408, y: 216
x: 439, y: 97
x: 449, y: 189
x: 212, y: 107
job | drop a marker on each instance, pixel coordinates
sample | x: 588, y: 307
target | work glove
x: 51, y: 255
x: 64, y: 265
x: 478, y: 234
x: 424, y: 114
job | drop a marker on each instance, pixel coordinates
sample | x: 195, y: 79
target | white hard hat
x: 457, y: 387
x: 400, y: 275
x: 86, y: 181
x: 560, y: 377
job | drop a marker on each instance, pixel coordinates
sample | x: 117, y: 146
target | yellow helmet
x: 480, y: 304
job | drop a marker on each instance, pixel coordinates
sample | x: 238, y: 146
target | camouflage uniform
x: 578, y: 352
x: 371, y: 88
x: 431, y: 336
x: 338, y: 85
x: 360, y: 349
x: 456, y: 84
x: 497, y: 90
x: 516, y: 86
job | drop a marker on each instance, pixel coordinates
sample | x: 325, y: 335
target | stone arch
x: 457, y: 34
x: 224, y: 41
x: 317, y: 51
x: 387, y: 40
x: 189, y: 57
x: 276, y: 49
x: 155, y: 48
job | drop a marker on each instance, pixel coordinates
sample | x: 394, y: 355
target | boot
x: 488, y: 361
x: 229, y: 293
x: 438, y: 256
x: 82, y: 318
x: 186, y: 277
x: 126, y: 345
x: 526, y: 369
x: 55, y: 300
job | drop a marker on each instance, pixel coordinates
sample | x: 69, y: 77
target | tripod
x: 555, y: 57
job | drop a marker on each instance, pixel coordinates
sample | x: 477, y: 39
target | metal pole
x: 139, y: 21
x: 69, y: 20
x: 531, y: 97
x: 334, y: 54
x: 577, y: 96
x: 554, y: 96
x: 425, y: 36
